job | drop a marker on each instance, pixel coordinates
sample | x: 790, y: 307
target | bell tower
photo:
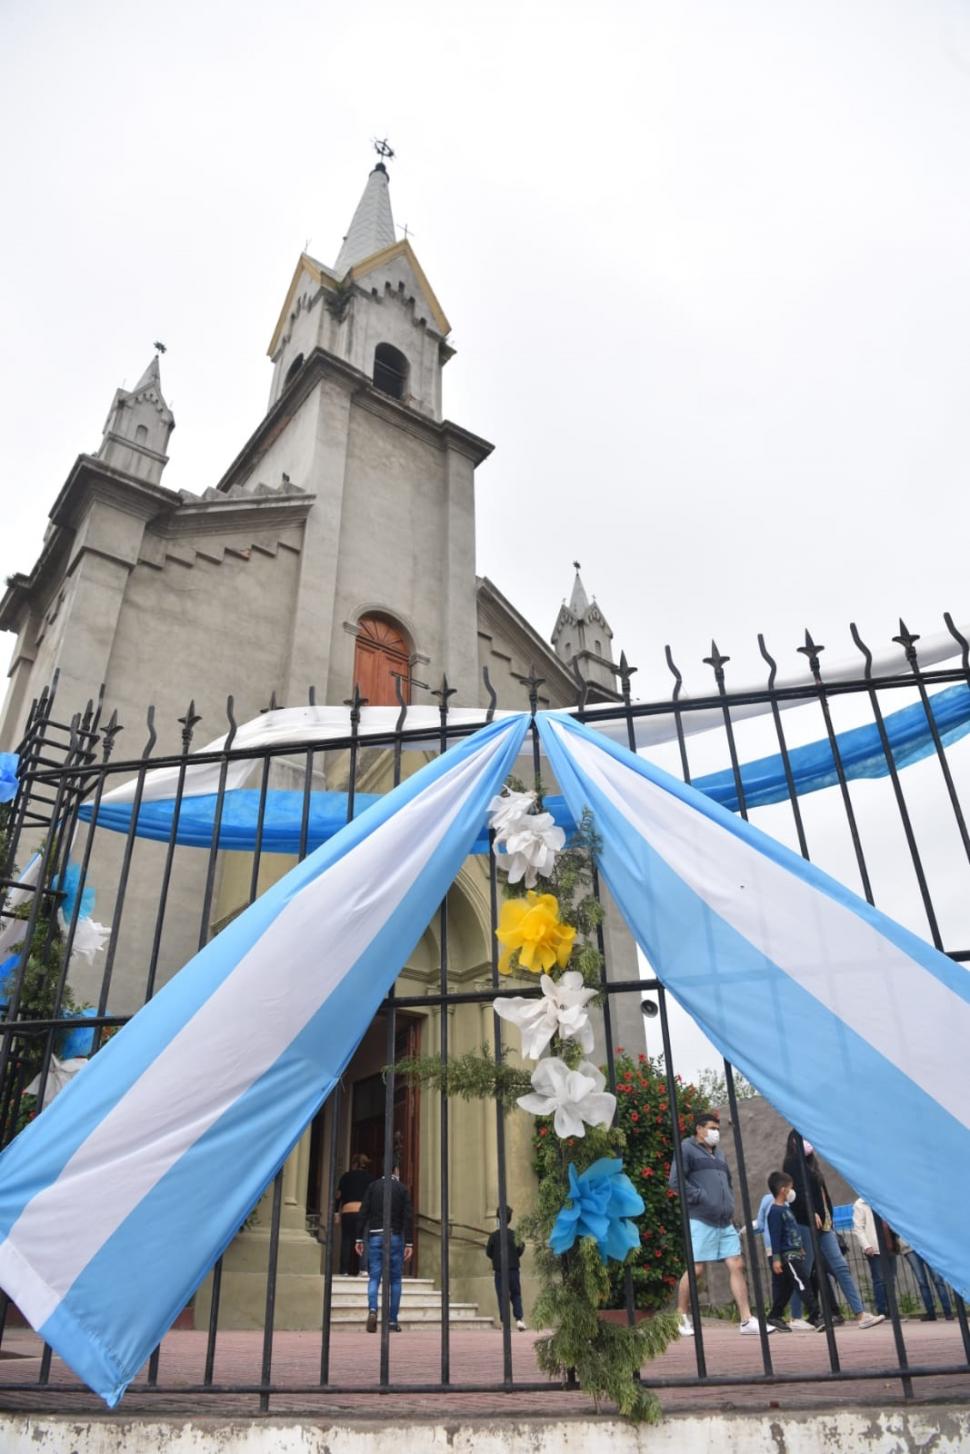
x: 582, y: 636
x: 355, y: 421
x: 138, y: 428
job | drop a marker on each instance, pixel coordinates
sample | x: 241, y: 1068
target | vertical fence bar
x: 914, y: 853
x: 505, y: 1310
x: 444, y: 693
x: 717, y: 662
x: 188, y: 722
x: 811, y: 652
x: 676, y: 1133
x: 783, y: 748
x: 269, y: 1314
x: 892, y: 1302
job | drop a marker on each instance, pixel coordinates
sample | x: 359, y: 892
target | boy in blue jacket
x: 787, y: 1256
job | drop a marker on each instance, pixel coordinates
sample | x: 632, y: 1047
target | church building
x: 337, y: 550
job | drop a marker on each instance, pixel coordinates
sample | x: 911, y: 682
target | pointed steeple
x: 138, y: 428
x: 582, y: 635
x: 372, y: 226
x: 578, y: 601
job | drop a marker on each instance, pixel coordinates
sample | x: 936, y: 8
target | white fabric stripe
x: 858, y: 974
x: 204, y: 1069
x: 323, y: 724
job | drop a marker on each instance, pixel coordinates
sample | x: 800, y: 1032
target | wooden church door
x: 382, y: 654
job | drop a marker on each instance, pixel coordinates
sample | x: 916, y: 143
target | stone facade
x: 352, y: 498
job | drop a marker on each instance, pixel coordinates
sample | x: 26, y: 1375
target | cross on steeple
x: 384, y: 150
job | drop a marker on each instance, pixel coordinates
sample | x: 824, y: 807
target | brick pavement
x: 476, y: 1358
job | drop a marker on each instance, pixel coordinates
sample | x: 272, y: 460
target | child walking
x: 515, y: 1249
x: 787, y: 1256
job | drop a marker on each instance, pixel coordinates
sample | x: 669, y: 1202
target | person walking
x: 709, y: 1195
x: 514, y: 1251
x: 350, y: 1194
x: 787, y: 1255
x: 882, y: 1266
x: 923, y: 1273
x: 819, y: 1208
x: 372, y: 1229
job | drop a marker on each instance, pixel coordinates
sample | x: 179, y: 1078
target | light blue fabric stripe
x: 763, y: 780
x: 35, y: 1157
x: 890, y: 1139
x: 125, y: 1298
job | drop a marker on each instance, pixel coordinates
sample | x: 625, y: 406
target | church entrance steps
x: 420, y: 1304
x: 299, y: 1302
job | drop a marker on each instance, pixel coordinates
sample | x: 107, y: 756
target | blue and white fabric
x: 278, y: 820
x: 120, y: 1196
x: 854, y: 1028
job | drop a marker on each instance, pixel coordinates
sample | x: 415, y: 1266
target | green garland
x: 604, y: 1358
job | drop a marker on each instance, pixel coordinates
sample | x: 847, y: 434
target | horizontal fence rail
x: 64, y: 764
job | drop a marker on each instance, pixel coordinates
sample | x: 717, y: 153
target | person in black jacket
x: 514, y: 1249
x: 371, y: 1231
x: 819, y: 1207
x: 350, y: 1195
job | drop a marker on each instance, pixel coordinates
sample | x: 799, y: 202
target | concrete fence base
x: 940, y: 1429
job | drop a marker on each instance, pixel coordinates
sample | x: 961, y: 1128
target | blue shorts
x: 713, y: 1244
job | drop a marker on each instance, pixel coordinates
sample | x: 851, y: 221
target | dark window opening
x: 293, y: 370
x: 390, y: 370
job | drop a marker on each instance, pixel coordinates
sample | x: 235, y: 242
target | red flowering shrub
x: 645, y: 1124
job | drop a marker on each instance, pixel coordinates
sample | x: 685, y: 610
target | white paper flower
x: 575, y: 1098
x: 507, y: 809
x: 89, y: 938
x: 531, y: 845
x: 561, y: 1010
x: 59, y: 1076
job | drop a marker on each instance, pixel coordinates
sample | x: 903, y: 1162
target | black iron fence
x: 65, y: 764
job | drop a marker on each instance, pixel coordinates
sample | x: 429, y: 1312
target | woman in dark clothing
x: 350, y: 1194
x: 820, y: 1208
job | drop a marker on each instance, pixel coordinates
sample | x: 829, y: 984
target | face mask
x: 712, y: 1137
x: 790, y: 1197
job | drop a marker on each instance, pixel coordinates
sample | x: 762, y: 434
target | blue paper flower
x: 68, y: 886
x: 600, y: 1201
x: 8, y: 776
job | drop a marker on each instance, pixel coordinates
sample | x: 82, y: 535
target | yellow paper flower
x: 532, y: 927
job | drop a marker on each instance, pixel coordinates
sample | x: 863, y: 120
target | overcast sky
x: 707, y: 265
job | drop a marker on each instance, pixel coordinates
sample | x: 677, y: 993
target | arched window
x: 382, y: 654
x: 390, y: 370
x: 599, y: 648
x: 141, y: 434
x: 293, y: 370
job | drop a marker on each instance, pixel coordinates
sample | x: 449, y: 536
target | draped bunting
x: 853, y: 1028
x: 287, y: 814
x: 118, y: 1198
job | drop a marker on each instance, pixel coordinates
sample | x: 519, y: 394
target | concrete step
x: 467, y: 1316
x: 358, y: 1298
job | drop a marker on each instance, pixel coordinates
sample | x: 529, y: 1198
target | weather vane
x: 384, y: 149
x: 577, y: 565
x: 159, y: 347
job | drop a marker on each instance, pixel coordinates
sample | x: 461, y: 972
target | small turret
x: 138, y: 428
x: 582, y: 635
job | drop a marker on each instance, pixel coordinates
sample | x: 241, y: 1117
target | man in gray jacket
x: 710, y: 1207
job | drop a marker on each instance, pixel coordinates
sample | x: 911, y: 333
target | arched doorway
x: 382, y: 655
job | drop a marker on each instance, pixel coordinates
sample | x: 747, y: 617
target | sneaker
x: 372, y: 1320
x: 779, y: 1324
x: 521, y: 1326
x: 396, y: 1328
x: 750, y: 1329
x: 685, y: 1327
x: 928, y: 1317
x: 802, y: 1325
x: 870, y: 1320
